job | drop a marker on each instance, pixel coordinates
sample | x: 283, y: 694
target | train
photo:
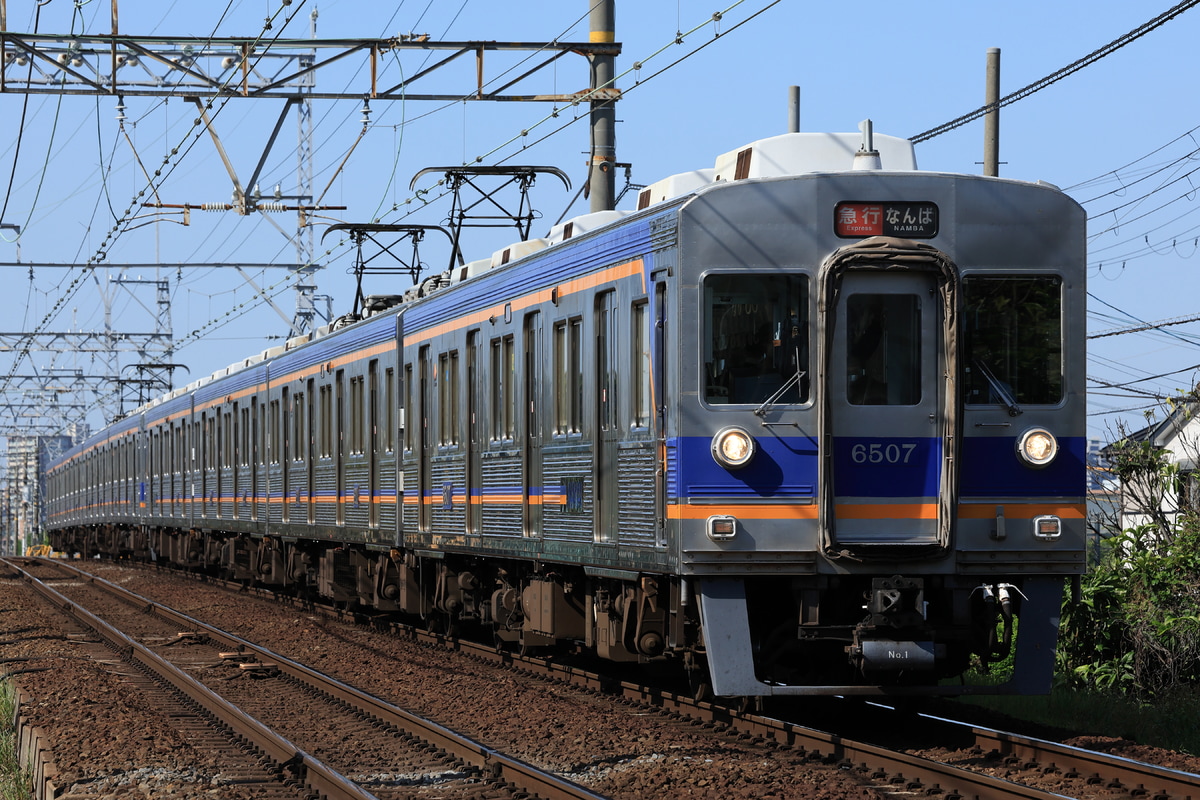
x: 810, y: 421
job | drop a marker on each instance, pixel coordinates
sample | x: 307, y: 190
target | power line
x: 1073, y: 67
x: 1149, y: 326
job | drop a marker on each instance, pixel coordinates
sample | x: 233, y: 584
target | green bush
x: 1136, y: 628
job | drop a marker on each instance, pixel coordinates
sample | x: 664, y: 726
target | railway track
x: 1001, y: 765
x: 391, y: 752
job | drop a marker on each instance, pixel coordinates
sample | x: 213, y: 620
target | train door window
x: 245, y: 441
x: 503, y: 387
x: 326, y: 434
x: 568, y: 376
x: 299, y: 427
x: 408, y: 405
x: 606, y: 366
x: 389, y: 410
x: 757, y: 346
x: 1013, y: 339
x: 448, y: 399
x: 339, y: 446
x: 285, y: 410
x: 372, y: 416
x: 639, y: 323
x: 273, y: 444
x: 883, y: 349
x: 356, y: 417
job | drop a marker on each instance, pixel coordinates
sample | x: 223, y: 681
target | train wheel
x: 700, y: 682
x: 441, y: 623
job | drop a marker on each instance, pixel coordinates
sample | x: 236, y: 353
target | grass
x: 1169, y: 723
x: 16, y: 782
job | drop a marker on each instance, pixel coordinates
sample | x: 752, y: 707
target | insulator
x: 271, y: 207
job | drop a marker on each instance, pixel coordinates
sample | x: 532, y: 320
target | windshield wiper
x: 789, y: 383
x: 998, y: 388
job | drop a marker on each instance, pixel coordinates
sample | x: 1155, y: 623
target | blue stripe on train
x: 787, y: 467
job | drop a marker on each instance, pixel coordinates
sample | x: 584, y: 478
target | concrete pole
x: 602, y: 175
x: 793, y: 109
x: 991, y: 121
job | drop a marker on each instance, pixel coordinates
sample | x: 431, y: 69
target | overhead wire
x: 23, y: 349
x: 421, y: 196
x: 1054, y: 77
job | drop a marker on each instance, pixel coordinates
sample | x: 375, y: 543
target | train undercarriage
x: 825, y: 631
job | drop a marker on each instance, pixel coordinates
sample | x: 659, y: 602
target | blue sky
x: 1116, y: 135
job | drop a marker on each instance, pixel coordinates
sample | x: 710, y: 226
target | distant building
x: 22, y: 504
x: 1147, y: 499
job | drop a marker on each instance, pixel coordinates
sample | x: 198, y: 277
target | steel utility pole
x: 991, y: 121
x: 602, y: 178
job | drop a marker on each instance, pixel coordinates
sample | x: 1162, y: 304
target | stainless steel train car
x: 810, y: 421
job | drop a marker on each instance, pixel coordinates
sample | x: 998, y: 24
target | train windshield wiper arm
x: 770, y: 401
x: 1000, y: 390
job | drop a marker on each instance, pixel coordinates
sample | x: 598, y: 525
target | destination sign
x: 907, y: 220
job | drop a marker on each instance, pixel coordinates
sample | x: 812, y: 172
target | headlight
x: 1037, y: 447
x: 733, y: 448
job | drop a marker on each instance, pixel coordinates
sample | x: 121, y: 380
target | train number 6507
x: 880, y: 453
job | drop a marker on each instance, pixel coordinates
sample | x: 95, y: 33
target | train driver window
x: 1013, y: 337
x: 756, y: 348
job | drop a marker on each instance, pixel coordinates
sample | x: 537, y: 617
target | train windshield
x: 756, y: 349
x: 1013, y: 340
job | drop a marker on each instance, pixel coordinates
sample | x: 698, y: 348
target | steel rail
x: 1148, y: 779
x: 488, y: 760
x: 307, y: 768
x: 1160, y: 783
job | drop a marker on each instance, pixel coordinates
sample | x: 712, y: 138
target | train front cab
x: 903, y: 474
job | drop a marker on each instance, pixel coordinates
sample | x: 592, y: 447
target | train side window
x: 758, y: 338
x: 1013, y: 336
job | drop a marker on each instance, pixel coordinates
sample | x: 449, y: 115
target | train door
x: 425, y: 447
x: 236, y: 460
x: 339, y: 401
x: 255, y: 456
x: 606, y: 432
x: 475, y: 434
x: 889, y: 410
x: 285, y: 458
x: 373, y: 443
x: 310, y: 450
x: 532, y: 452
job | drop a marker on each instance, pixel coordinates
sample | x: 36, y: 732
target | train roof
x: 775, y: 156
